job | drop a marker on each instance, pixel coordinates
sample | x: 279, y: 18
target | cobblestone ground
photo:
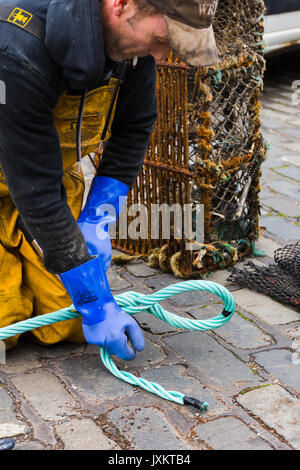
x: 280, y: 194
x: 62, y: 397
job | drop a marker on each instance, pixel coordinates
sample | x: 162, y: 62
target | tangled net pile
x: 280, y: 281
x: 206, y: 151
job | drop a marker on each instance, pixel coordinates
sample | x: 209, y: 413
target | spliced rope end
x: 200, y: 405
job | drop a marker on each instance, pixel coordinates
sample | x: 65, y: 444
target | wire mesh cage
x: 203, y: 160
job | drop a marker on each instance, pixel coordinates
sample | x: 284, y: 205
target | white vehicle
x: 282, y: 24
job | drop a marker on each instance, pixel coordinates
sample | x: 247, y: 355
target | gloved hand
x: 103, y: 322
x: 105, y: 202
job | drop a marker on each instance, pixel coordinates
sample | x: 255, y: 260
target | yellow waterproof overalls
x: 27, y: 289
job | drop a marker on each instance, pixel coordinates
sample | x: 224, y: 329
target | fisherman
x: 71, y: 78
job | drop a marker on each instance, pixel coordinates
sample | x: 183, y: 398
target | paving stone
x: 83, y: 434
x: 283, y: 204
x: 265, y: 261
x: 192, y: 298
x: 294, y: 122
x: 146, y: 428
x: 270, y: 115
x: 293, y: 147
x: 12, y: 429
x: 242, y: 333
x: 266, y: 309
x: 161, y: 281
x: 230, y: 434
x: 279, y: 116
x: 256, y: 260
x: 91, y: 349
x: 270, y: 124
x: 268, y: 246
x: 210, y: 310
x: 274, y: 137
x: 62, y: 349
x: 272, y: 160
x: 154, y: 325
x: 283, y: 107
x: 264, y: 211
x: 277, y: 408
x: 140, y: 269
x: 290, y: 171
x: 188, y: 298
x: 274, y: 151
x: 217, y: 365
x: 152, y: 354
x: 269, y: 179
x: 177, y: 378
x: 280, y: 364
x: 42, y: 430
x: 23, y: 357
x: 281, y: 227
x: 294, y: 333
x: 284, y: 186
x: 29, y: 446
x: 292, y: 159
x: 221, y: 277
x: 116, y: 282
x: 264, y: 193
x: 291, y: 132
x: 46, y: 394
x: 10, y: 425
x: 7, y: 414
x: 88, y: 376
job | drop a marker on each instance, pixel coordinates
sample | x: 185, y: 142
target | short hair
x: 145, y: 8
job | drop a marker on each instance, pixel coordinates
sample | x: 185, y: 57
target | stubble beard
x: 113, y: 44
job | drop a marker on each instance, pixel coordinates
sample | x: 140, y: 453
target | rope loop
x: 132, y: 303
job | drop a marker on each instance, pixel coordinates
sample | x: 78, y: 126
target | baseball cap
x: 190, y: 29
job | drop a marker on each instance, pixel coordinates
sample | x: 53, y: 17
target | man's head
x: 154, y: 27
x: 134, y: 28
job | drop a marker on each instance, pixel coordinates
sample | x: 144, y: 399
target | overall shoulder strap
x: 24, y: 20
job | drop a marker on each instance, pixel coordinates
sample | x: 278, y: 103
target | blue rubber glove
x: 103, y: 322
x: 105, y: 202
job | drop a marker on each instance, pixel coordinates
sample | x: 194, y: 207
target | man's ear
x: 119, y: 6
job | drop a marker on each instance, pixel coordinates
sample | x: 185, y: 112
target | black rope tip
x: 226, y: 314
x: 200, y: 405
x: 7, y: 444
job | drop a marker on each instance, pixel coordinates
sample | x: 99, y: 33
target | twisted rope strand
x: 133, y: 303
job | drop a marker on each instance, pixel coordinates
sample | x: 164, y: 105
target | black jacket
x: 35, y: 74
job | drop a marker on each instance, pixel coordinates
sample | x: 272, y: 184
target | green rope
x: 133, y: 303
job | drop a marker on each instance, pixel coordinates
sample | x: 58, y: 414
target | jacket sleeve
x: 74, y: 40
x: 136, y: 112
x: 32, y: 164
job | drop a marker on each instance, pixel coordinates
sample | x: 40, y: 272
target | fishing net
x: 280, y: 281
x: 205, y: 155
